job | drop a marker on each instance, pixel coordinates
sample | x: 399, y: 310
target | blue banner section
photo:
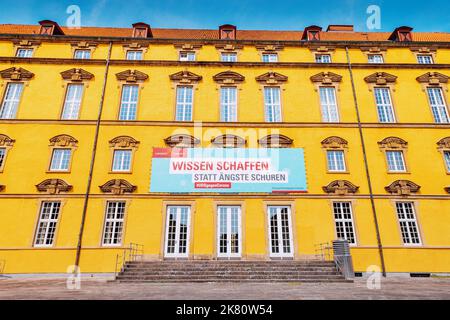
x: 228, y: 170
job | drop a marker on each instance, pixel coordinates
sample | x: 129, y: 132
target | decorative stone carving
x: 381, y: 78
x: 6, y: 141
x: 403, y: 187
x: 53, y: 186
x: 393, y: 143
x: 334, y: 143
x: 442, y: 144
x: 341, y: 187
x: 188, y: 46
x: 229, y: 47
x: 124, y: 142
x: 16, y: 74
x: 326, y: 78
x: 181, y: 141
x: 84, y: 45
x: 229, y: 141
x: 374, y: 50
x: 269, y: 47
x: 433, y: 78
x: 228, y: 77
x: 136, y: 45
x: 63, y: 140
x: 118, y: 187
x: 76, y: 74
x: 26, y: 43
x: 185, y: 77
x: 321, y: 49
x: 131, y: 76
x: 272, y: 78
x: 276, y: 141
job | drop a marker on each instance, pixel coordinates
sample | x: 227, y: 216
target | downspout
x: 366, y: 165
x: 94, y: 152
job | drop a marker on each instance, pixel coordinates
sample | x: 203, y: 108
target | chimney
x: 340, y: 28
x: 50, y: 28
x: 227, y: 32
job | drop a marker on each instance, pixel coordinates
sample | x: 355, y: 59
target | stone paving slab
x: 391, y: 288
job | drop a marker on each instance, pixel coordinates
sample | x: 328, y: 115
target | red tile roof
x: 205, y: 34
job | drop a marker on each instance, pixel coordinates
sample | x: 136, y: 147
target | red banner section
x: 169, y: 153
x: 213, y: 185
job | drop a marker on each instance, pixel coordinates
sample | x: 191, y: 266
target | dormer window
x: 227, y: 32
x: 402, y: 34
x: 312, y: 33
x: 50, y: 28
x: 142, y: 30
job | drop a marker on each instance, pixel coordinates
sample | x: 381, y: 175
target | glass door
x: 229, y: 232
x: 177, y: 231
x: 280, y: 232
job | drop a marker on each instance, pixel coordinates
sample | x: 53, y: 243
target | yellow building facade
x: 84, y: 109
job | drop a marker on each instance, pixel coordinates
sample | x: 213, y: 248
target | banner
x: 228, y: 170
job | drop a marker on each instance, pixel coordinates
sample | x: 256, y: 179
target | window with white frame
x: 11, y: 100
x: 128, y: 105
x: 60, y: 160
x: 425, y: 59
x: 385, y: 108
x: 229, y: 57
x: 323, y: 58
x: 446, y: 159
x: 329, y: 104
x: 82, y: 54
x: 187, y: 56
x: 375, y: 58
x: 184, y: 105
x: 134, y: 55
x: 272, y: 102
x: 114, y: 218
x: 269, y: 57
x: 395, y: 161
x: 24, y: 53
x: 408, y: 223
x: 336, y: 160
x: 343, y: 218
x: 122, y: 161
x: 48, y: 221
x: 2, y: 157
x: 438, y: 105
x: 72, y: 103
x: 228, y: 104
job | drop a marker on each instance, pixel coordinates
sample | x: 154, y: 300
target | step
x: 205, y: 280
x: 231, y: 274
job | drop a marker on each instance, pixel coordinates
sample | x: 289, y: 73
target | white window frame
x: 28, y: 53
x: 72, y: 101
x: 57, y: 164
x: 333, y: 161
x: 272, y: 110
x: 320, y: 58
x: 393, y: 163
x: 228, y: 109
x: 177, y: 232
x: 439, y: 110
x: 375, y: 58
x: 114, y: 225
x: 135, y: 55
x: 47, y: 223
x: 84, y: 54
x: 118, y: 163
x: 11, y: 100
x: 281, y: 253
x: 385, y: 107
x: 227, y: 211
x: 228, y: 57
x: 328, y: 104
x: 187, y: 56
x: 408, y: 223
x: 425, y: 59
x: 129, y: 105
x: 269, y: 57
x: 184, y: 109
x: 344, y: 226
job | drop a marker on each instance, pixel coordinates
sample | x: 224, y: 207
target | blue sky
x: 246, y: 14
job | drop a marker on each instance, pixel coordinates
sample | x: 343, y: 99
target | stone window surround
x: 335, y: 143
x: 6, y: 143
x: 62, y: 141
x: 123, y: 143
x: 394, y: 144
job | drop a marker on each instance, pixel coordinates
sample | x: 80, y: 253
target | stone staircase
x: 230, y: 271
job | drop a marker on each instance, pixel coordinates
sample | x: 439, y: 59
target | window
x: 272, y: 103
x: 229, y: 57
x: 128, y: 105
x: 270, y: 57
x: 424, y: 59
x: 446, y: 159
x: 229, y: 231
x: 113, y: 231
x: 82, y: 54
x: 72, y: 102
x: 60, y: 160
x: 121, y: 161
x: 2, y: 157
x: 375, y: 58
x: 11, y: 100
x: 24, y: 53
x: 228, y: 104
x: 438, y: 105
x: 384, y: 105
x: 395, y: 161
x: 343, y: 219
x: 336, y: 160
x: 46, y: 227
x: 323, y: 58
x: 134, y: 55
x: 187, y: 56
x: 184, y: 103
x: 408, y: 224
x: 328, y: 104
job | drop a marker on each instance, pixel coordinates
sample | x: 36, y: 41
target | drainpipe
x: 94, y: 151
x: 369, y: 182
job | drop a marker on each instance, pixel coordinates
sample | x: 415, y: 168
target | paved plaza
x: 391, y: 288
